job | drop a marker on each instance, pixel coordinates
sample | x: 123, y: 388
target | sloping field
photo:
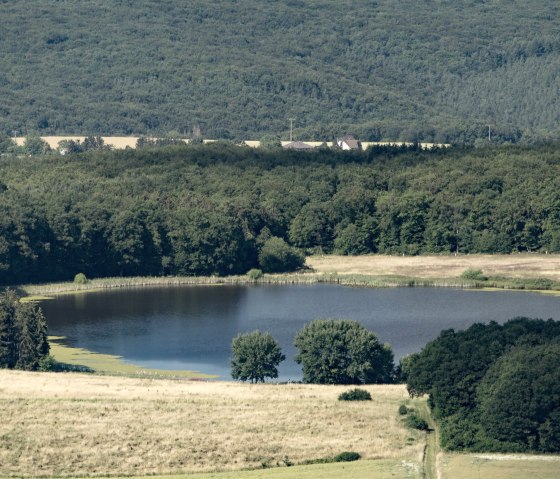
x: 79, y: 424
x: 510, y: 266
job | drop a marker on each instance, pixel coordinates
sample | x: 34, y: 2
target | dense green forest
x: 432, y: 70
x: 223, y: 209
x: 23, y: 334
x: 493, y: 387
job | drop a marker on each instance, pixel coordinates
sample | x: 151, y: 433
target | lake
x: 191, y: 327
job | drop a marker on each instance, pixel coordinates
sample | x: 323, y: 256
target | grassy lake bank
x: 83, y: 360
x: 530, y: 272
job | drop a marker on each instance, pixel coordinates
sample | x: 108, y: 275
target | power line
x: 291, y: 127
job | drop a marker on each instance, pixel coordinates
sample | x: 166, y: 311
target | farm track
x: 430, y: 469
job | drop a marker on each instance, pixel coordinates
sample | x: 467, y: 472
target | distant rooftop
x: 298, y: 145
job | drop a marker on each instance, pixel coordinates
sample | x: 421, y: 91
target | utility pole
x: 291, y: 127
x: 489, y: 135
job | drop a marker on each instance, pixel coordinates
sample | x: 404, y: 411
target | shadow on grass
x: 58, y: 367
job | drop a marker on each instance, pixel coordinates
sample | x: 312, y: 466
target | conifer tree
x: 8, y: 330
x: 23, y: 333
x: 32, y: 342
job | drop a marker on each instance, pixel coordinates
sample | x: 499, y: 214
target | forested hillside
x: 211, y: 209
x: 432, y: 70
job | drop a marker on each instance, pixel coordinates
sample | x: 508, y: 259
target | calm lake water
x: 191, y: 327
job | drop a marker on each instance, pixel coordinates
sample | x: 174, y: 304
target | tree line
x: 222, y: 209
x: 493, y: 387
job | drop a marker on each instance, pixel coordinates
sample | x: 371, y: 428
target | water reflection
x: 191, y: 327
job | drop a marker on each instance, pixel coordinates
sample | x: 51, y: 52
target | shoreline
x: 41, y: 292
x: 80, y: 360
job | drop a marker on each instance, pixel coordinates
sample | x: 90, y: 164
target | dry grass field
x: 119, y: 142
x: 510, y: 266
x: 78, y: 424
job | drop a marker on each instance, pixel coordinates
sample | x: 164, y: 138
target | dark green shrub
x: 47, y: 363
x: 80, y: 278
x: 475, y: 274
x: 355, y: 395
x: 403, y: 410
x: 347, y: 456
x: 277, y: 256
x: 415, y: 422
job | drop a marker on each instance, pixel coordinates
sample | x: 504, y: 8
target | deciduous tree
x: 342, y: 352
x: 255, y: 357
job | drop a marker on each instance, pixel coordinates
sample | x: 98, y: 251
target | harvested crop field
x: 510, y: 266
x: 62, y: 424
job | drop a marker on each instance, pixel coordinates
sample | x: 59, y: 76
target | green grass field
x: 379, y: 469
x: 498, y: 466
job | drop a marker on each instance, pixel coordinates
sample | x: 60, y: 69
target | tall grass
x: 359, y: 280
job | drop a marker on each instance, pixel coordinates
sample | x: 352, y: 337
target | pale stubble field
x: 449, y: 266
x: 79, y: 424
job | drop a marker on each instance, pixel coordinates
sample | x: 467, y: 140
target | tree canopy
x: 493, y: 387
x: 342, y: 352
x: 255, y: 357
x: 222, y: 209
x: 434, y: 71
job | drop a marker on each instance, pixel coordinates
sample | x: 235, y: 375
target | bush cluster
x: 413, y: 421
x: 347, y: 456
x: 355, y: 395
x: 80, y: 278
x: 475, y: 274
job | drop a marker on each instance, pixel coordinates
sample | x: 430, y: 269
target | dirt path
x: 431, y: 450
